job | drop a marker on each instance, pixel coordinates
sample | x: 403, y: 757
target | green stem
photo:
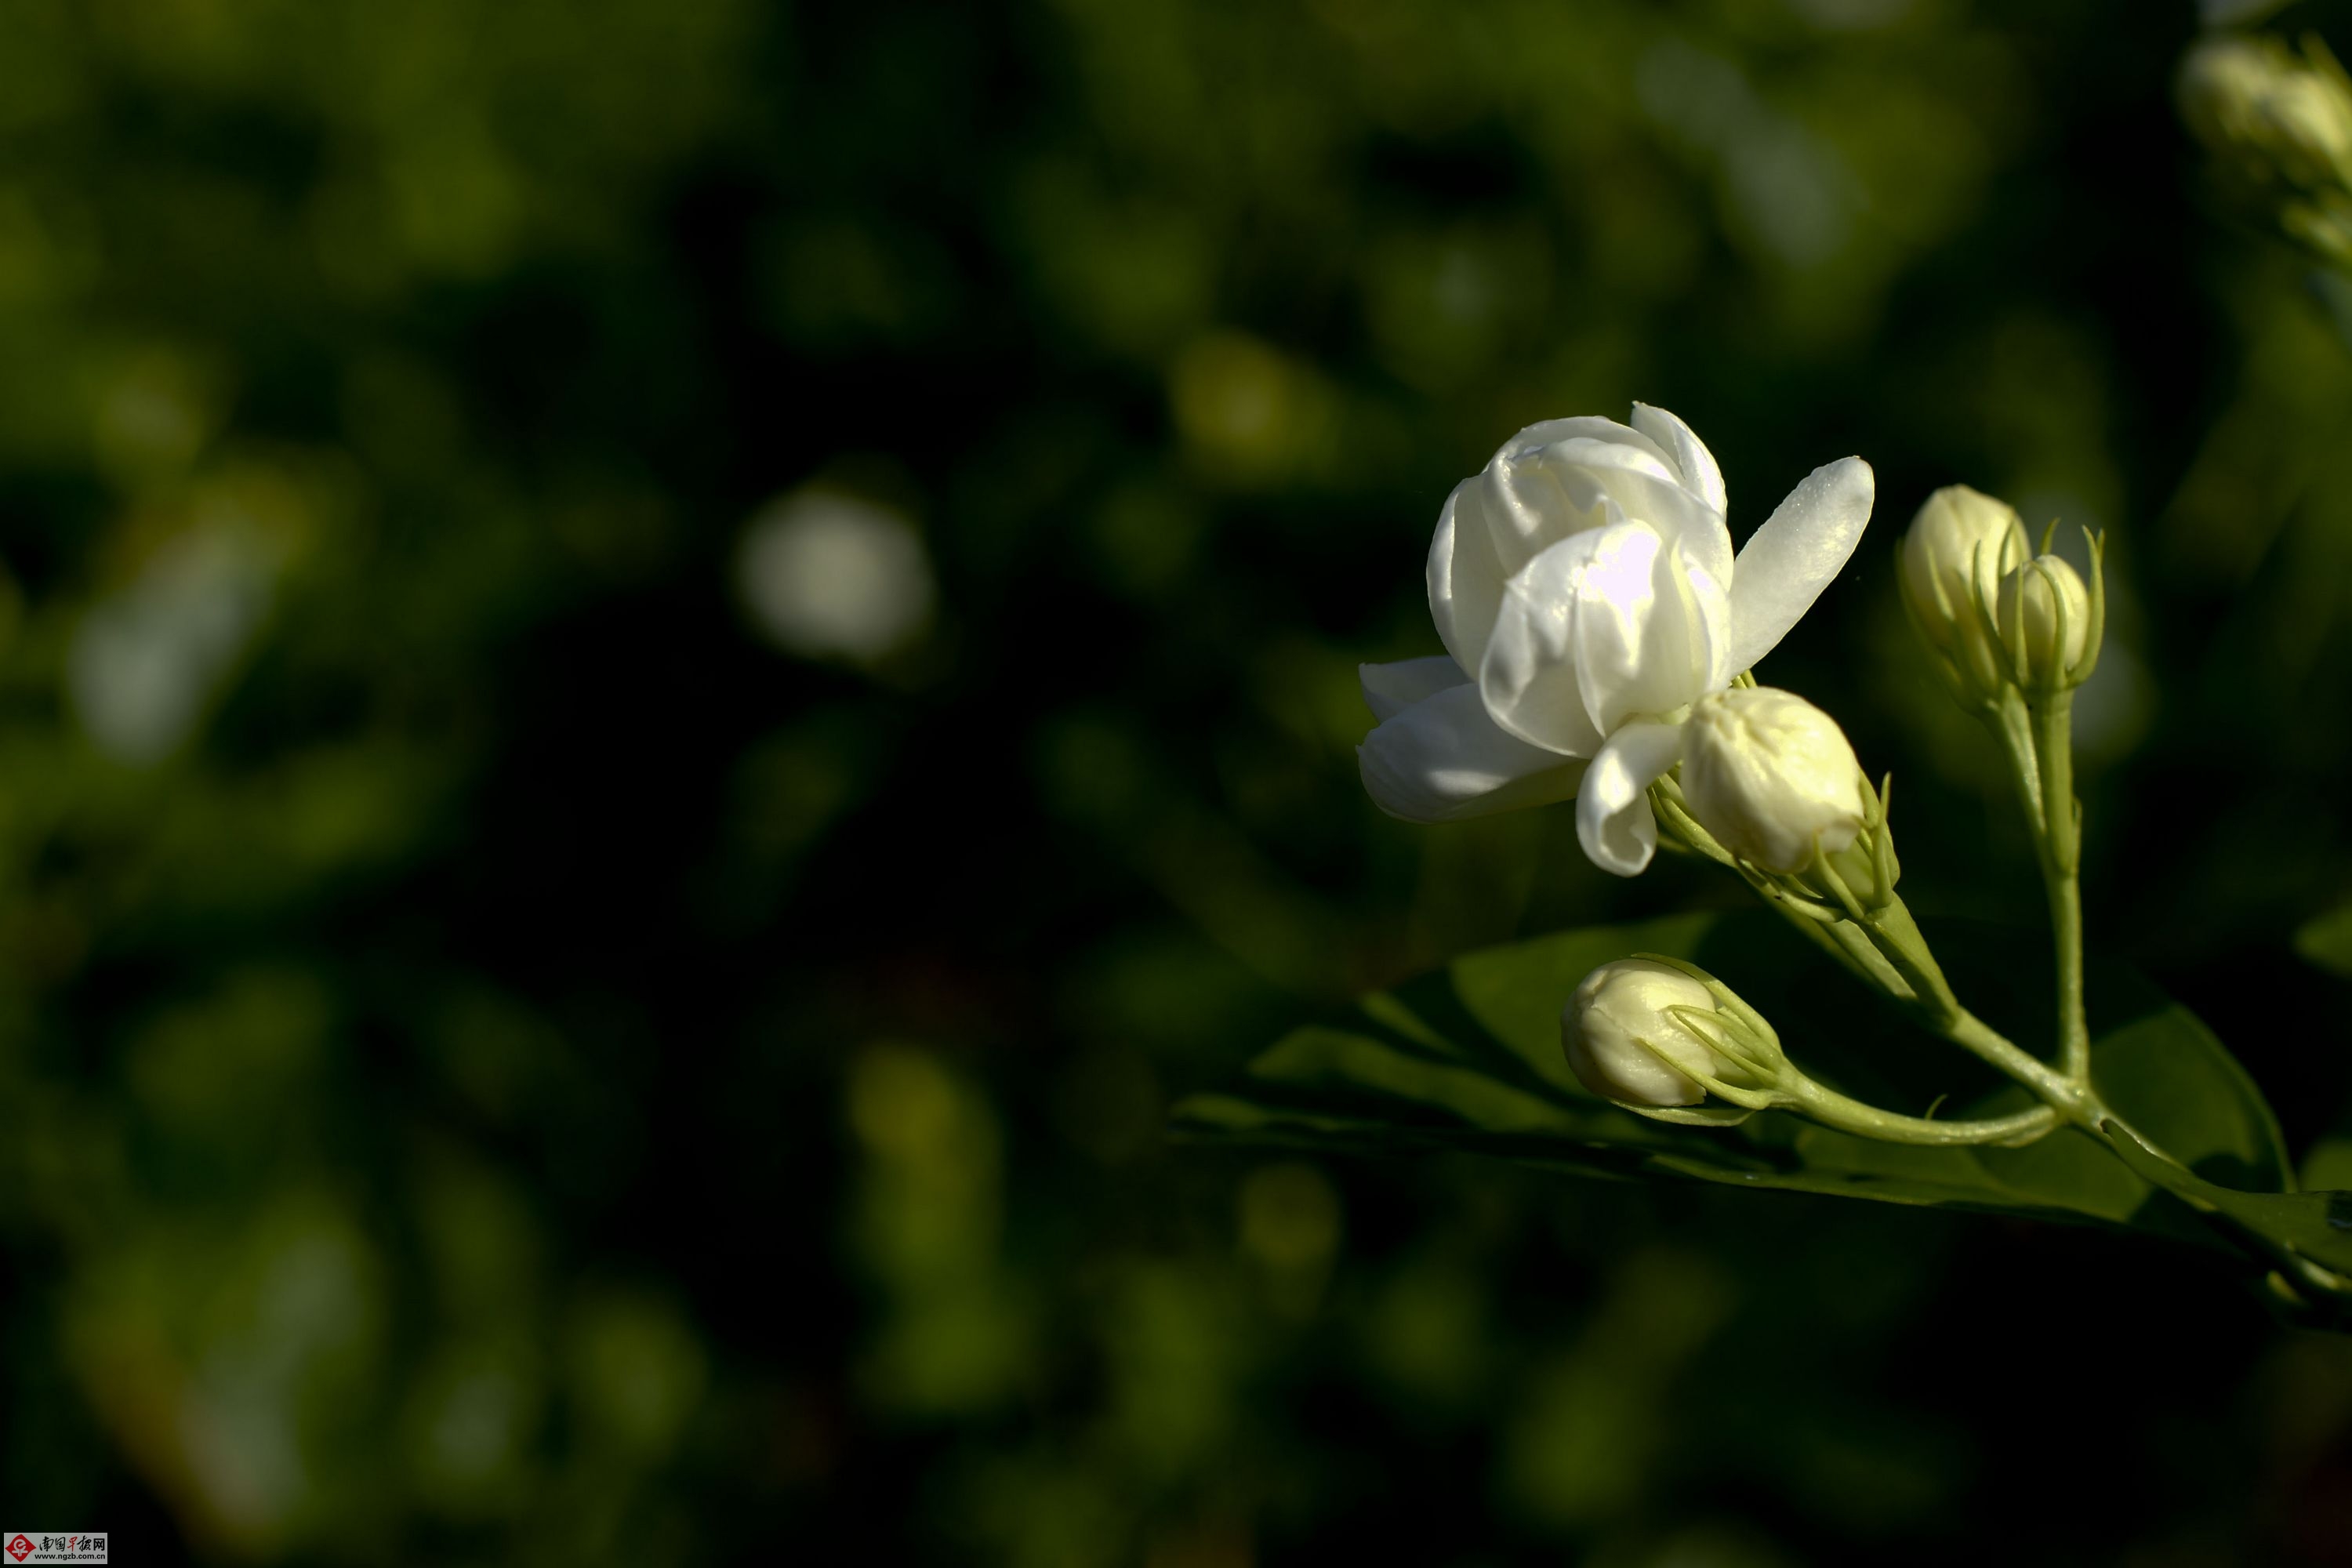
x: 2060, y: 844
x: 1881, y: 943
x: 2011, y: 720
x: 1835, y: 937
x: 2075, y: 1101
x: 1832, y: 1109
x: 1896, y: 936
x: 2074, y: 1022
x: 1885, y: 948
x: 2038, y: 736
x: 1842, y: 940
x: 2068, y: 1094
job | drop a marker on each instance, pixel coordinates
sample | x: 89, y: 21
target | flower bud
x: 2045, y: 616
x: 1771, y: 776
x: 2281, y: 131
x: 1959, y: 548
x: 2281, y: 120
x: 1623, y: 1044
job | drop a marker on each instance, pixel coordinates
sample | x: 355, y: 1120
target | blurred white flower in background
x: 148, y: 658
x: 2222, y: 13
x: 2287, y: 117
x: 2279, y: 124
x: 1786, y: 189
x: 826, y: 576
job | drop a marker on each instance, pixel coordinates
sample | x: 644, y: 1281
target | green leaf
x: 2326, y: 940
x: 1469, y: 1058
x: 2328, y: 1164
x: 2317, y: 1225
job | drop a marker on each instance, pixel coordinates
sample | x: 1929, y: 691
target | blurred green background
x: 667, y: 665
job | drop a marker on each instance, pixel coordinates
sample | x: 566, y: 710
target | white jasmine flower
x: 832, y: 576
x: 1586, y: 591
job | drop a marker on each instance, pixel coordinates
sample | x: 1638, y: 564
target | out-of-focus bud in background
x: 2280, y: 127
x: 2230, y: 13
x: 834, y: 576
x: 154, y: 654
x: 148, y: 657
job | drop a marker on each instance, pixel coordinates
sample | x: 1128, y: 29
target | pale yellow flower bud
x: 1623, y: 1044
x: 2045, y: 616
x: 1959, y: 546
x: 1772, y: 777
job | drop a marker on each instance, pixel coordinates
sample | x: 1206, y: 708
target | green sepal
x: 1693, y: 1115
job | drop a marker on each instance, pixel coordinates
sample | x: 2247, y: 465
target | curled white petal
x: 1557, y: 478
x: 1391, y: 688
x: 1465, y: 575
x: 1690, y: 455
x: 1584, y: 427
x: 1670, y: 650
x: 1532, y: 503
x: 1537, y: 496
x: 1530, y: 676
x: 1613, y: 821
x: 1599, y: 629
x: 1442, y: 759
x: 1800, y: 549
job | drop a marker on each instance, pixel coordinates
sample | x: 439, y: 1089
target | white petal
x: 1689, y: 453
x: 1465, y: 576
x: 1648, y: 488
x: 1442, y: 759
x: 1538, y: 495
x: 1585, y: 426
x: 1528, y: 677
x: 1391, y: 688
x: 1613, y: 821
x: 1651, y: 628
x: 1565, y: 476
x: 1602, y: 627
x: 1619, y: 483
x: 1528, y: 510
x: 1802, y: 547
x: 1621, y: 619
x: 1674, y: 656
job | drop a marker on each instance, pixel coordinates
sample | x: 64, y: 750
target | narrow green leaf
x: 2317, y: 1225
